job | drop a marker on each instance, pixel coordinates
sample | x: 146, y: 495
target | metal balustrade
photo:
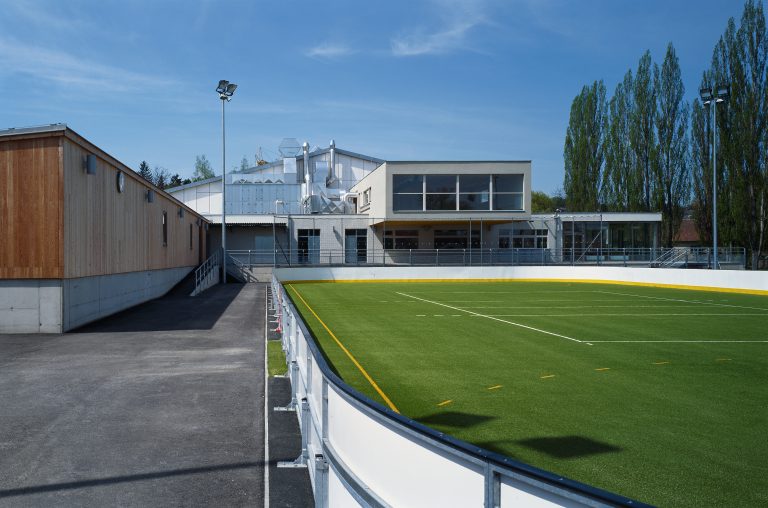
x: 359, y: 452
x: 208, y: 273
x: 689, y: 257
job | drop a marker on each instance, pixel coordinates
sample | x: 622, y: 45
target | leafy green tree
x: 244, y: 165
x: 161, y: 177
x: 621, y: 186
x: 175, y: 181
x: 701, y: 166
x: 740, y: 60
x: 642, y: 136
x: 203, y: 170
x: 145, y: 172
x: 671, y: 171
x: 541, y: 202
x: 583, y: 151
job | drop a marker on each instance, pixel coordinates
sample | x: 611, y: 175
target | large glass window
x: 408, y: 193
x: 401, y: 239
x: 472, y: 192
x: 508, y: 192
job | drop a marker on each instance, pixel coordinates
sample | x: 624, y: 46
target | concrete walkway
x: 161, y: 405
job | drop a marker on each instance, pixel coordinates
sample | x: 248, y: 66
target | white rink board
x: 738, y: 280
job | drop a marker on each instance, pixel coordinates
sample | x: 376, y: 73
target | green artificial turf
x: 276, y: 358
x: 663, y: 421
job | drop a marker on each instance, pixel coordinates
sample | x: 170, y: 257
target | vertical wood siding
x: 31, y: 196
x: 108, y: 232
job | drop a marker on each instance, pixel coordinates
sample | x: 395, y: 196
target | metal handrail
x: 204, y: 272
x: 733, y: 257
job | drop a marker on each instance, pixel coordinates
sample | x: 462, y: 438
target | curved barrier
x: 360, y: 453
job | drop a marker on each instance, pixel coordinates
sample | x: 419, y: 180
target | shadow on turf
x: 567, y: 447
x: 454, y: 419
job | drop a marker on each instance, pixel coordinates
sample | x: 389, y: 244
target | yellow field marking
x: 349, y: 355
x: 445, y: 403
x: 547, y: 376
x: 724, y: 359
x: 660, y: 363
x: 495, y: 387
x: 568, y: 281
x: 602, y: 369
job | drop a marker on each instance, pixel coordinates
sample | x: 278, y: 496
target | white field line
x: 626, y: 314
x: 685, y: 341
x: 685, y: 301
x: 492, y: 317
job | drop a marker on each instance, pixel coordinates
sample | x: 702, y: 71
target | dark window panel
x: 407, y: 202
x: 474, y: 183
x: 507, y: 183
x: 479, y: 201
x: 441, y: 201
x: 407, y: 183
x: 441, y: 183
x: 507, y: 201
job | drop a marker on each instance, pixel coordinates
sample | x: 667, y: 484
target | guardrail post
x: 301, y: 460
x: 492, y: 488
x: 293, y: 375
x: 321, y: 481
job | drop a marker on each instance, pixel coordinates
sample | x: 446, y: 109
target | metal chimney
x: 332, y: 164
x: 305, y: 148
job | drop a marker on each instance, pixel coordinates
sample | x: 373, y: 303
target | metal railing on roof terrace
x: 729, y: 258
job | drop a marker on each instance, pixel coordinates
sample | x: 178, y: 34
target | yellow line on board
x: 349, y: 355
x: 578, y: 281
x: 445, y: 402
x: 547, y: 377
x: 496, y: 387
x: 603, y: 368
x: 660, y: 363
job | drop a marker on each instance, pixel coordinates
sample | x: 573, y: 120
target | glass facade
x: 464, y: 192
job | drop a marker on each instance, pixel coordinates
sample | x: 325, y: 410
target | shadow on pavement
x: 174, y: 311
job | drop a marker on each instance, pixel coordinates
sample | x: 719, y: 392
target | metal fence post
x: 321, y: 481
x: 492, y: 488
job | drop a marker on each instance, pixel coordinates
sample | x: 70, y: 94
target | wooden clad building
x: 81, y: 235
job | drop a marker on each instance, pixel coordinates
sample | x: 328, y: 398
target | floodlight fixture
x: 723, y: 92
x: 231, y: 89
x: 222, y: 86
x: 706, y: 95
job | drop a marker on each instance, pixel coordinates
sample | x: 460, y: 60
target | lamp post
x: 714, y: 96
x: 225, y: 89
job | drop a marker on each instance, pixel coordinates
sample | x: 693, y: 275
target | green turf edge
x: 276, y: 359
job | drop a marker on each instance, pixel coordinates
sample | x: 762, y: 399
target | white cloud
x: 69, y: 70
x: 329, y: 50
x: 455, y: 21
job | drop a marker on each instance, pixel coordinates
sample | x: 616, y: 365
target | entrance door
x: 309, y: 246
x: 355, y: 246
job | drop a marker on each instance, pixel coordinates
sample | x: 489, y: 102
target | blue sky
x: 431, y: 79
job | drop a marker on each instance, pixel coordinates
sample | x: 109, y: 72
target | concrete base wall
x: 30, y: 306
x: 55, y: 306
x: 90, y: 298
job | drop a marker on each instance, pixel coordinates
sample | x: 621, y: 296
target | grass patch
x: 276, y: 358
x: 653, y: 393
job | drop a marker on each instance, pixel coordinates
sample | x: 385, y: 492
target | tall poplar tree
x: 740, y: 61
x: 583, y: 151
x: 620, y: 183
x: 642, y: 137
x: 671, y: 182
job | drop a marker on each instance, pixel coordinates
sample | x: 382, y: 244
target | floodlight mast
x: 225, y: 89
x: 715, y: 96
